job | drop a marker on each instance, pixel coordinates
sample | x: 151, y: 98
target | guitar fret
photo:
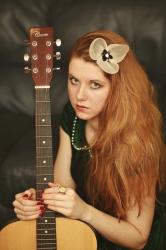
x: 46, y: 114
x: 43, y: 147
x: 47, y: 243
x: 48, y: 229
x: 46, y: 240
x: 43, y: 166
x: 48, y: 156
x: 44, y: 174
x: 43, y: 171
x: 47, y: 215
x: 42, y: 101
x: 43, y: 125
x: 46, y: 248
x: 44, y: 136
x: 47, y: 234
x: 47, y: 223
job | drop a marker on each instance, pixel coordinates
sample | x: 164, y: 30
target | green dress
x: 79, y: 171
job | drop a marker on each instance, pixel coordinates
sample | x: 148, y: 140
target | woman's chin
x: 82, y: 116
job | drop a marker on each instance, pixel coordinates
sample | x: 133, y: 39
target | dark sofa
x: 142, y: 23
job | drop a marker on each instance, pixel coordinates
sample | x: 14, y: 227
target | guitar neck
x: 45, y: 230
x: 44, y: 159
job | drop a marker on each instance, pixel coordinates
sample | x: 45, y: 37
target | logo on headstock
x: 38, y: 34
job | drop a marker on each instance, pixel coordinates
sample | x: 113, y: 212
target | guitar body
x: 70, y: 234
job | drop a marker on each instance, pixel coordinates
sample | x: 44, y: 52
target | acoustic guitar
x: 48, y: 232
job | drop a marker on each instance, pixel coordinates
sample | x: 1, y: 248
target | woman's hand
x: 25, y: 205
x: 68, y: 203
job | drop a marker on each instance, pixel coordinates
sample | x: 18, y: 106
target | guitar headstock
x: 41, y: 45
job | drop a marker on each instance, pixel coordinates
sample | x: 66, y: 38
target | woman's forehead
x: 82, y: 69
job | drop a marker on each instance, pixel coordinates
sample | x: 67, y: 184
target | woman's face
x: 88, y: 88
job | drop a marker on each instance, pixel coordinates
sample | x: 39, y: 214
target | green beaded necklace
x: 85, y: 147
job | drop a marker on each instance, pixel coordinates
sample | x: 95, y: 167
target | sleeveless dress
x: 79, y: 172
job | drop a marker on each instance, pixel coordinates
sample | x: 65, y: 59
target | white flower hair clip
x: 106, y: 56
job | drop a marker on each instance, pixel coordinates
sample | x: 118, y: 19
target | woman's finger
x: 27, y: 213
x: 51, y: 184
x: 30, y: 194
x: 26, y: 206
x: 31, y: 217
x: 55, y: 196
x: 61, y: 210
x: 51, y: 190
x: 25, y: 202
x: 62, y: 204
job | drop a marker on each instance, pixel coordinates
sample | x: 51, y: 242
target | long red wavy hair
x: 126, y: 154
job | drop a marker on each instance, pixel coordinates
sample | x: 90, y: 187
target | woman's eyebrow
x: 96, y: 80
x: 91, y: 80
x: 71, y: 75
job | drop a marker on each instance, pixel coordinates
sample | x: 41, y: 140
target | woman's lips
x: 81, y: 108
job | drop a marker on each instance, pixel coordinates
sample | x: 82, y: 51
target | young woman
x: 107, y: 171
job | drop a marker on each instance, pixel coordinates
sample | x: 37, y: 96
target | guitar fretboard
x: 46, y: 228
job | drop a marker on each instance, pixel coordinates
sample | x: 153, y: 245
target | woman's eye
x: 73, y: 80
x: 95, y: 85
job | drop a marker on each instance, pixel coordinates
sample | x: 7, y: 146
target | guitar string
x: 45, y: 106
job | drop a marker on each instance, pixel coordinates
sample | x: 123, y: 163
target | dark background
x: 142, y: 23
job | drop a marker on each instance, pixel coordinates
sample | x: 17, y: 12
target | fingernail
x: 39, y: 202
x: 27, y: 196
x: 42, y: 208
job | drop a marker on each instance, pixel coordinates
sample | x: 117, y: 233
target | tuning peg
x: 58, y: 42
x: 26, y: 57
x: 27, y: 69
x: 57, y: 68
x: 58, y: 55
x: 26, y: 43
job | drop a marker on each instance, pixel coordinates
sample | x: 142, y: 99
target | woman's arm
x: 131, y: 233
x: 62, y: 164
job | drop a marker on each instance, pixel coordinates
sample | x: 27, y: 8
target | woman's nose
x: 81, y: 93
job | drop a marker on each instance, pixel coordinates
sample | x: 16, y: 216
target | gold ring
x: 62, y: 190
